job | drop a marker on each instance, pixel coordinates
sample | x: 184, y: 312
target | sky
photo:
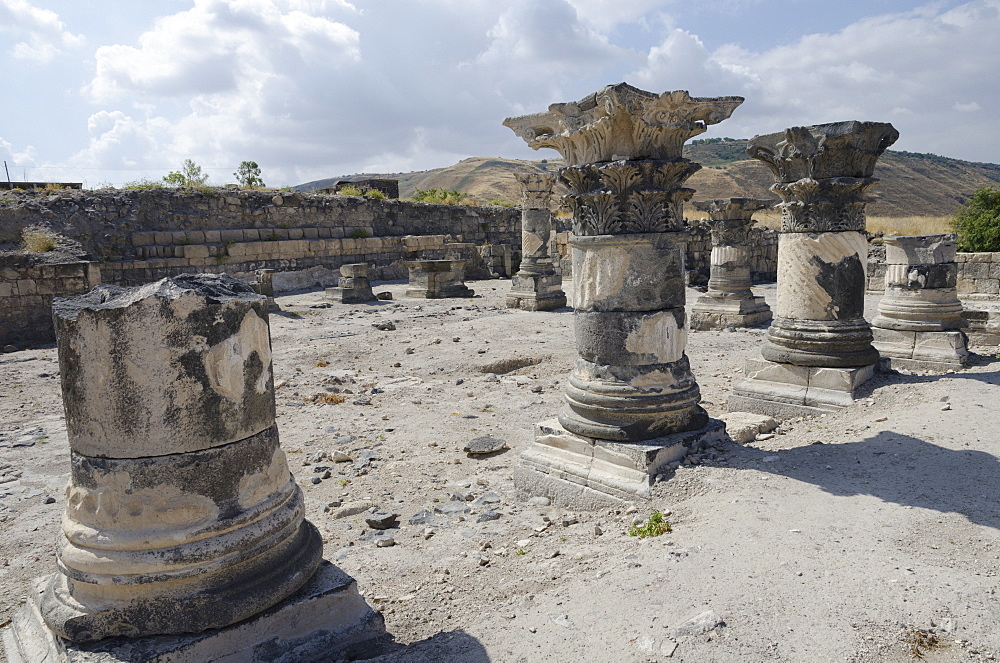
x: 106, y: 92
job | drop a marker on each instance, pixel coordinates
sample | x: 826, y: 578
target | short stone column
x: 819, y: 347
x: 437, y: 279
x: 920, y: 315
x: 181, y: 513
x: 264, y: 285
x: 729, y: 301
x: 353, y: 286
x: 632, y: 401
x: 536, y: 286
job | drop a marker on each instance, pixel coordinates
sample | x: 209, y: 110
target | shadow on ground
x: 892, y: 467
x: 445, y: 647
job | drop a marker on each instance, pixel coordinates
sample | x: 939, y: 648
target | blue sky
x: 108, y: 92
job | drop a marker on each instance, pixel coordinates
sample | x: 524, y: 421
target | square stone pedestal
x: 786, y: 390
x: 586, y: 473
x: 715, y: 313
x: 323, y: 621
x: 351, y: 295
x: 536, y: 293
x: 924, y: 351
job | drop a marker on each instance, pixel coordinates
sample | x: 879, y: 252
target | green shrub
x: 655, y: 526
x: 143, y: 184
x: 497, y: 202
x: 439, y: 196
x: 359, y: 233
x: 374, y: 194
x: 39, y: 239
x: 977, y: 222
x: 349, y: 191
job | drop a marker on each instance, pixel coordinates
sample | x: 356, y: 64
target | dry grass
x: 39, y: 239
x: 910, y: 225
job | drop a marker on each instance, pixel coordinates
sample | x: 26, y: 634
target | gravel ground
x: 866, y: 535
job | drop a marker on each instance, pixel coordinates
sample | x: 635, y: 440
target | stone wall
x: 26, y: 293
x: 763, y: 253
x: 978, y: 273
x: 115, y: 225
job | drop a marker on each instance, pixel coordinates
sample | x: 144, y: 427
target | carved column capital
x: 536, y: 189
x: 834, y: 204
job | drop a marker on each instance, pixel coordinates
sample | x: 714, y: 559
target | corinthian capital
x: 839, y: 149
x: 536, y: 189
x: 621, y: 122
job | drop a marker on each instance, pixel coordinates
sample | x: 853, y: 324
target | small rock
x: 561, y: 620
x: 569, y: 520
x: 537, y: 389
x: 945, y: 407
x: 703, y: 623
x: 539, y: 501
x: 385, y: 542
x: 316, y: 481
x: 486, y: 498
x: 10, y: 348
x: 384, y: 296
x: 382, y: 520
x: 668, y: 647
x: 409, y: 351
x: 427, y: 533
x: 487, y: 516
x: 50, y: 500
x: 597, y: 530
x: 453, y: 508
x: 339, y: 457
x: 485, y: 444
x: 385, y: 326
x: 362, y: 400
x: 345, y: 439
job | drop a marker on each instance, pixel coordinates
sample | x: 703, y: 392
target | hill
x: 913, y: 184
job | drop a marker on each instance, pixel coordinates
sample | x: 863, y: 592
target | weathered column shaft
x: 919, y: 316
x: 179, y: 493
x: 536, y: 286
x: 823, y: 177
x: 632, y: 382
x: 729, y: 301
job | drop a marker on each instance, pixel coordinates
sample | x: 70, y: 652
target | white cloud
x: 42, y: 34
x: 908, y: 68
x: 970, y: 107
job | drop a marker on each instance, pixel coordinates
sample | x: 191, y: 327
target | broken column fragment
x: 181, y: 513
x: 920, y: 316
x: 818, y: 349
x: 353, y: 286
x: 437, y: 279
x: 729, y: 301
x: 536, y: 286
x: 632, y: 401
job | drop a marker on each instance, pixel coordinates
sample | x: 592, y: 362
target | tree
x: 977, y: 222
x: 189, y: 175
x: 248, y: 174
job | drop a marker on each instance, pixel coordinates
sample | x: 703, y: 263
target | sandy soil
x: 867, y: 535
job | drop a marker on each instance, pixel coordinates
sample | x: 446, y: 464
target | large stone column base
x: 325, y: 620
x: 923, y: 351
x: 536, y: 293
x: 586, y: 473
x: 351, y: 295
x: 786, y: 390
x: 716, y: 313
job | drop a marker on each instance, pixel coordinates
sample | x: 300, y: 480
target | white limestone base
x: 786, y: 390
x: 324, y: 620
x: 716, y: 313
x: 923, y: 351
x: 586, y: 473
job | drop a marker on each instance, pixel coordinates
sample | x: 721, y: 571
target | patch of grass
x: 374, y: 194
x: 521, y: 551
x: 359, y: 233
x: 655, y: 526
x: 144, y: 183
x: 39, y: 239
x: 350, y: 191
x: 333, y: 399
x: 498, y: 202
x: 273, y: 237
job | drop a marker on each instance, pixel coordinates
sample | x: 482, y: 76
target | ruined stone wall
x: 114, y: 225
x: 763, y: 252
x: 978, y: 273
x: 26, y: 293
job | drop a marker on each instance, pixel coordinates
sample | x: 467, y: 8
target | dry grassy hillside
x: 913, y: 185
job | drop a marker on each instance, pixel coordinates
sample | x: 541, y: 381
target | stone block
x: 143, y: 238
x: 586, y: 473
x: 784, y: 390
x: 26, y: 287
x: 164, y: 238
x: 195, y: 251
x: 987, y: 286
x: 743, y: 427
x: 213, y: 236
x: 231, y: 235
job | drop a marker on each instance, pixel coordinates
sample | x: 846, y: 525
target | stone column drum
x: 818, y: 348
x: 920, y: 315
x: 536, y: 286
x: 181, y: 513
x: 437, y: 279
x: 729, y: 301
x: 632, y: 401
x: 353, y: 286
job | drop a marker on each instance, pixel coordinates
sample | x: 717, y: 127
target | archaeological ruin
x: 536, y: 286
x: 819, y: 349
x: 182, y: 518
x: 632, y: 401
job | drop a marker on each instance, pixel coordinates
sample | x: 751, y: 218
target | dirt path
x: 868, y: 535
